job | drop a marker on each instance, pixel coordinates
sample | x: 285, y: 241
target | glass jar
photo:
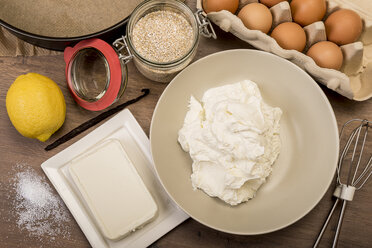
x: 96, y: 72
x: 157, y: 71
x: 95, y: 75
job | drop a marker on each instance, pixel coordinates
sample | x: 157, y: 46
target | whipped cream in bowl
x: 232, y: 136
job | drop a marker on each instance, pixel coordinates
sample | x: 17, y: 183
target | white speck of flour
x: 38, y: 210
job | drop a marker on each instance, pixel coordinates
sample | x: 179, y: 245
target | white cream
x: 233, y: 139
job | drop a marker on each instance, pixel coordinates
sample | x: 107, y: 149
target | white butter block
x: 112, y: 189
x: 315, y: 33
x: 281, y: 12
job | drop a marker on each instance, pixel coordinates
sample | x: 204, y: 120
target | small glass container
x: 156, y: 71
x: 95, y: 75
x: 96, y: 72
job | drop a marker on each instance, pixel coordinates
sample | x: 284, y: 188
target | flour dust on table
x: 36, y: 209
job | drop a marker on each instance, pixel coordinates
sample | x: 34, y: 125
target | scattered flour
x: 37, y: 209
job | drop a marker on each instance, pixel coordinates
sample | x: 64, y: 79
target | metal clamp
x: 344, y: 192
x: 120, y: 45
x: 206, y: 28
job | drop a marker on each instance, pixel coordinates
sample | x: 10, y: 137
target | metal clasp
x: 206, y: 28
x: 120, y: 45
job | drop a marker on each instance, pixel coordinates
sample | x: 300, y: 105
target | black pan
x: 54, y: 43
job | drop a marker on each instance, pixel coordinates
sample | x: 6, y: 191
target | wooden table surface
x: 14, y: 148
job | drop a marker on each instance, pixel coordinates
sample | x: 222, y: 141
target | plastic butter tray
x: 124, y: 128
x: 354, y: 79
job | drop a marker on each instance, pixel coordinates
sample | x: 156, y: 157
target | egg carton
x: 353, y: 81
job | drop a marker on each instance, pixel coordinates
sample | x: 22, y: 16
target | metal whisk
x: 357, y: 174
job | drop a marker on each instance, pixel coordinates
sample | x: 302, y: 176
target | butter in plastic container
x: 354, y: 79
x: 112, y: 190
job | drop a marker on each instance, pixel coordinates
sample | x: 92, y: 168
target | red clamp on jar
x: 96, y: 72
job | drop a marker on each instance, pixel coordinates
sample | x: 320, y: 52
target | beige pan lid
x: 65, y: 19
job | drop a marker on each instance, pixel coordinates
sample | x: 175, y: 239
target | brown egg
x: 326, y: 54
x: 271, y: 3
x: 305, y: 12
x: 256, y: 16
x: 290, y: 35
x: 343, y: 26
x: 218, y: 5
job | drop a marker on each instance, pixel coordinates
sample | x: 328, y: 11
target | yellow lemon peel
x: 36, y: 106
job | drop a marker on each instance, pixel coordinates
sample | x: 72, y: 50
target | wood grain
x: 14, y: 148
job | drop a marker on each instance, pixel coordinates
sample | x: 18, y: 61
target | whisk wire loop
x: 356, y: 175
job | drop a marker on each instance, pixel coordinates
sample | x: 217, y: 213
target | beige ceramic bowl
x: 309, y: 135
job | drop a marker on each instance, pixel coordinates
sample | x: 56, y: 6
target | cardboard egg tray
x: 353, y: 81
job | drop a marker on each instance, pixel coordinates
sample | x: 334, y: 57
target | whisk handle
x: 340, y: 219
x: 326, y: 223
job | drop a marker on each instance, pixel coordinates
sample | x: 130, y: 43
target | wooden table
x: 14, y: 148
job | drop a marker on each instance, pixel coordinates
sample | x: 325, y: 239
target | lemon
x: 36, y: 106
